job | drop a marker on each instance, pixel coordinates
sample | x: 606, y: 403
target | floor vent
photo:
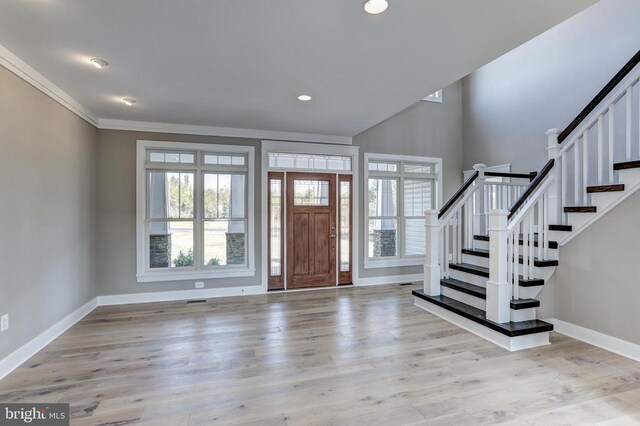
x: 405, y: 284
x: 196, y: 301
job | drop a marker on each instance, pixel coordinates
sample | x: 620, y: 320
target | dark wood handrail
x: 458, y: 194
x: 600, y: 97
x: 529, y: 176
x: 534, y: 185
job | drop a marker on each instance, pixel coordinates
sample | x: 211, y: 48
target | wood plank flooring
x: 352, y: 356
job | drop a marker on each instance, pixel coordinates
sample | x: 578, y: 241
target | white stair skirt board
x: 508, y: 343
x: 35, y: 345
x: 595, y: 338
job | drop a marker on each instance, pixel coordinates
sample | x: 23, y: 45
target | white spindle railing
x: 609, y: 135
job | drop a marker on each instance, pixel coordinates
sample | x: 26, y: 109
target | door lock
x: 332, y: 235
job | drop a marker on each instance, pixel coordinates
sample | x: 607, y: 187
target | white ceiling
x: 241, y: 63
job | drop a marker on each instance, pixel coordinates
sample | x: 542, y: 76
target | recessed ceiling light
x: 129, y: 101
x: 376, y: 6
x: 99, y: 63
x: 304, y: 98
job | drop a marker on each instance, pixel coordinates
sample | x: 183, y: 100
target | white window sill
x: 149, y: 277
x: 387, y: 263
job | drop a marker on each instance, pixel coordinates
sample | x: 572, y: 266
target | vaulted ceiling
x: 242, y: 63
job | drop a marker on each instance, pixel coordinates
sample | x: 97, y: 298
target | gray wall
x: 509, y: 104
x: 424, y: 129
x: 47, y: 211
x: 116, y: 271
x: 597, y: 284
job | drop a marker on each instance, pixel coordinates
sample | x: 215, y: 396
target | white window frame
x: 144, y: 274
x: 434, y: 97
x: 400, y: 259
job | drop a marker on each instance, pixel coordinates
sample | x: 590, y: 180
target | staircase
x: 497, y: 241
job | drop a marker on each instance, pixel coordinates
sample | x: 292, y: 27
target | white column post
x: 481, y: 216
x: 498, y: 306
x: 431, y: 265
x: 555, y: 191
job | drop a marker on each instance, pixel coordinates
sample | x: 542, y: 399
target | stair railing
x: 605, y: 132
x: 465, y: 214
x: 526, y: 221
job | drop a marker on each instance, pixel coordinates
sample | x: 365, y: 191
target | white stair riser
x: 552, y: 254
x: 602, y: 200
x: 539, y: 272
x: 475, y: 260
x: 630, y: 177
x: 529, y: 292
x: 509, y: 343
x: 523, y: 314
x: 465, y: 298
x: 577, y: 220
x: 476, y: 302
x: 470, y: 278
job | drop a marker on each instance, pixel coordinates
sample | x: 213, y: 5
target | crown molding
x: 40, y: 82
x: 188, y: 129
x: 23, y: 70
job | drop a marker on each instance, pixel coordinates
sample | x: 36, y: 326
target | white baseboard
x: 168, y: 296
x: 391, y: 279
x: 595, y: 338
x: 22, y: 354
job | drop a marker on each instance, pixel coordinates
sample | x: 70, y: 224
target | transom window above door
x: 195, y: 210
x: 398, y: 191
x: 309, y: 162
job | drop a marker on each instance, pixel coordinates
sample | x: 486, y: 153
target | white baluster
x: 432, y: 254
x: 576, y: 173
x: 612, y: 122
x: 447, y: 231
x: 525, y: 246
x: 600, y: 151
x: 516, y: 259
x: 532, y: 238
x: 545, y: 214
x: 564, y: 188
x: 628, y: 122
x: 556, y: 190
x: 498, y: 304
x: 541, y: 227
x: 585, y: 166
x: 481, y: 199
x: 454, y: 239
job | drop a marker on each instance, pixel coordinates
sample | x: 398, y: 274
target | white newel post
x: 498, y: 287
x: 431, y: 266
x: 480, y: 218
x: 555, y: 195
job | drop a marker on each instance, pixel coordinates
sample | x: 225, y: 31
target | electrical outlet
x: 4, y: 322
x: 200, y: 284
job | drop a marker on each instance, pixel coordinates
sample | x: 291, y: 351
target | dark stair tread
x: 485, y: 253
x: 464, y: 287
x: 605, y: 188
x: 510, y: 329
x: 567, y: 228
x: 552, y: 244
x: 580, y: 209
x: 484, y: 272
x: 481, y: 293
x: 627, y: 165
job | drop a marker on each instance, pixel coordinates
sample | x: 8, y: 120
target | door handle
x: 332, y: 235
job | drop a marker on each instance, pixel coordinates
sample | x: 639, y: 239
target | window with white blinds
x: 398, y: 193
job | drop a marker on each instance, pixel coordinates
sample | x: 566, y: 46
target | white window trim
x: 370, y: 263
x: 143, y: 275
x: 434, y: 97
x: 310, y: 148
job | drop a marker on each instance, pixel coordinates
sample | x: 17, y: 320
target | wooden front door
x: 311, y: 230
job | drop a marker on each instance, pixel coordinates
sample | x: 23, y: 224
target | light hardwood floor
x: 342, y: 356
